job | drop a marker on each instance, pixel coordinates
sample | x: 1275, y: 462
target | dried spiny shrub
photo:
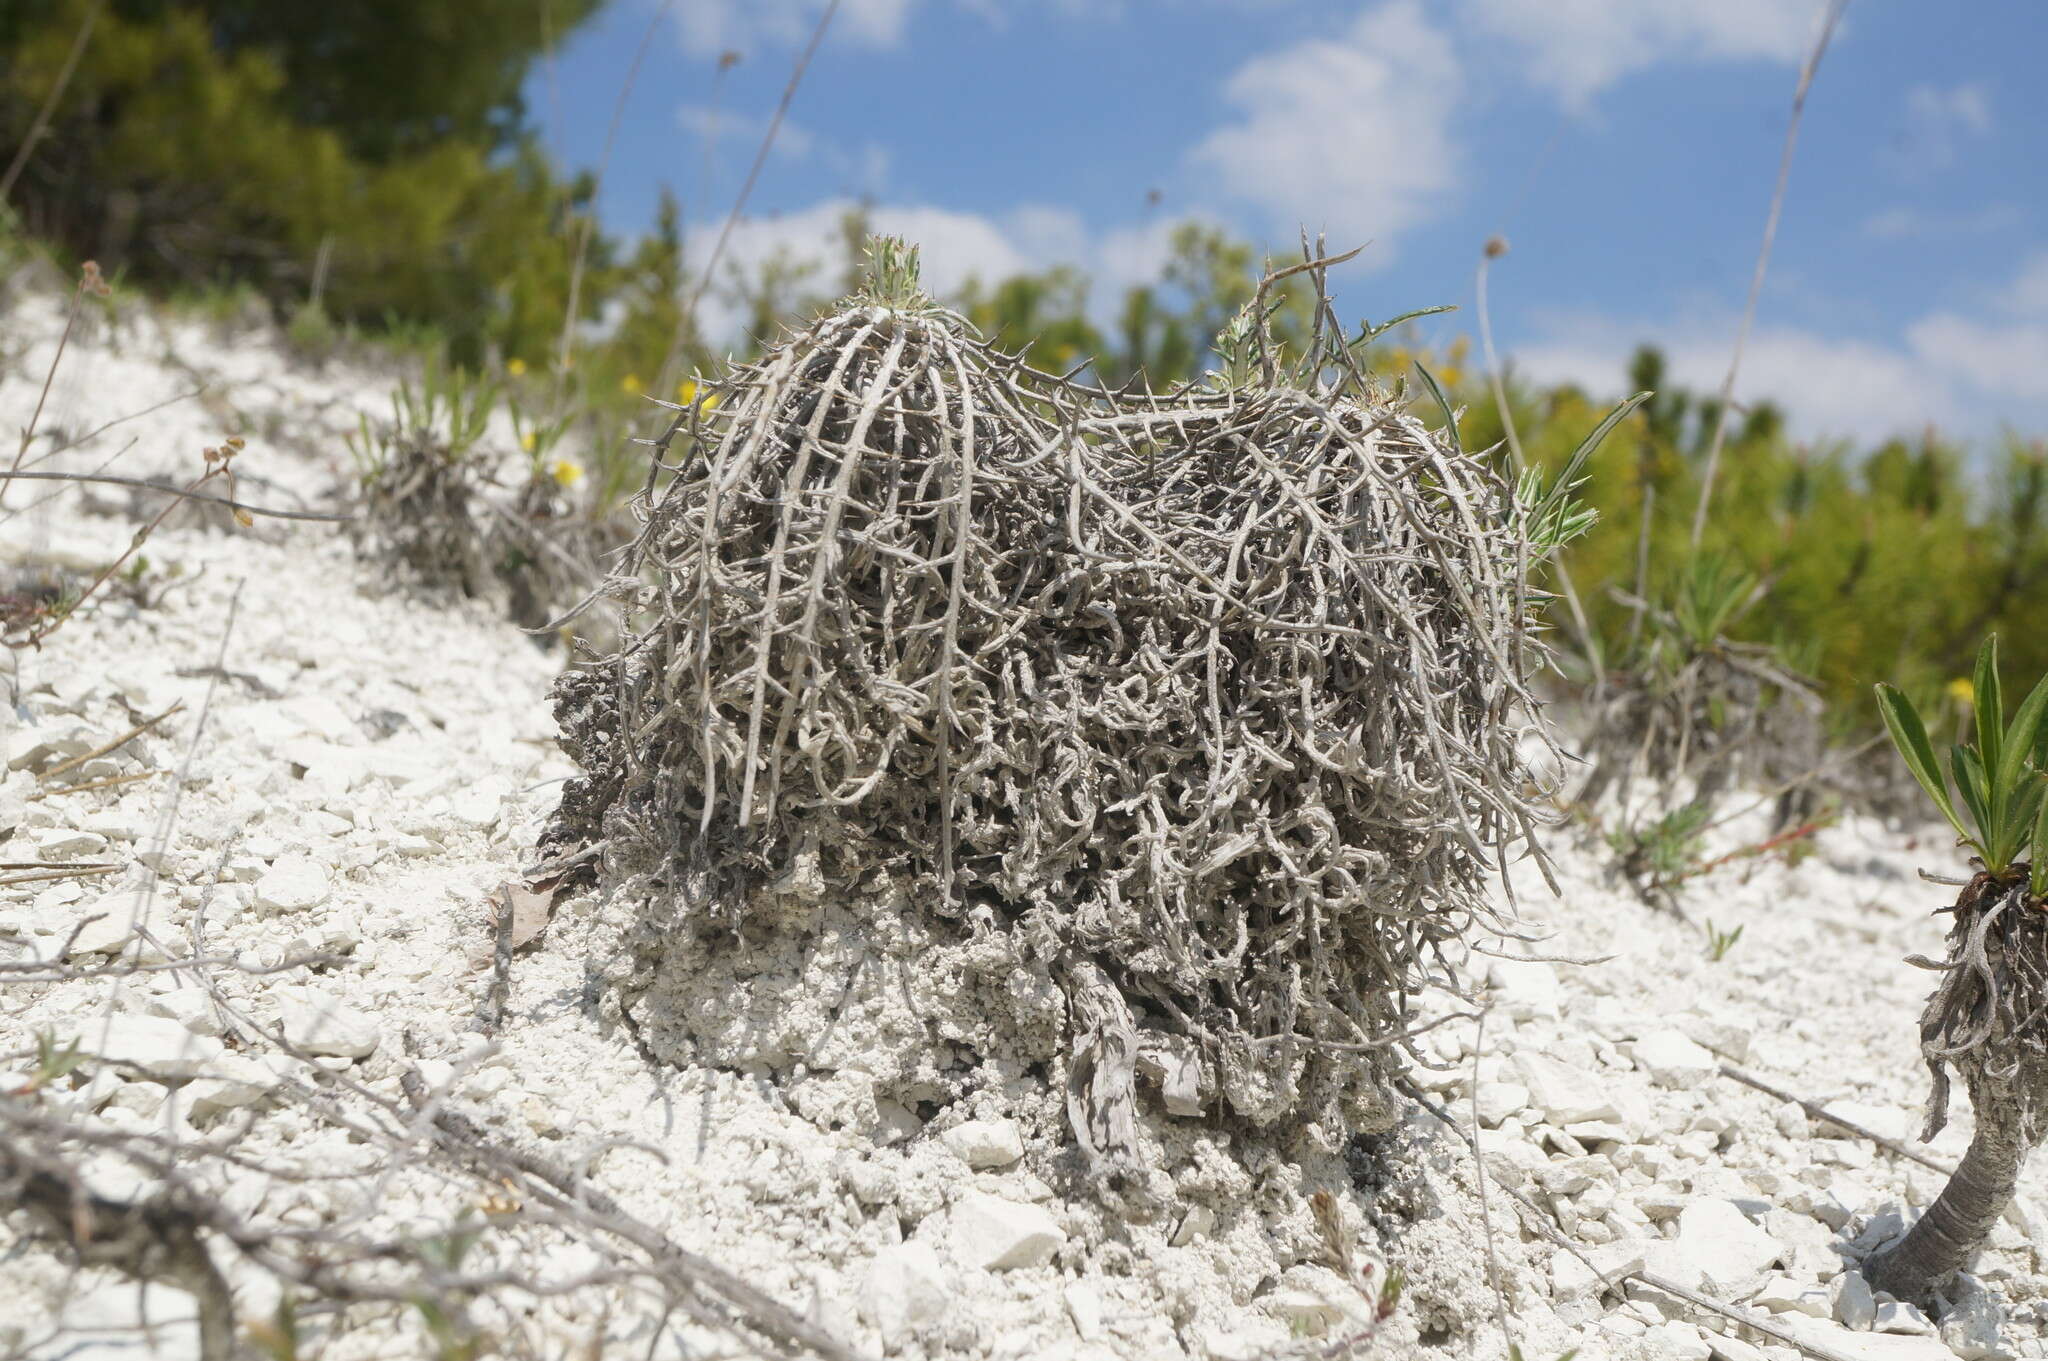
x: 1203, y: 703
x: 433, y: 504
x: 1685, y: 705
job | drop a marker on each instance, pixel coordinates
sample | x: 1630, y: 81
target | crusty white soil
x: 368, y: 761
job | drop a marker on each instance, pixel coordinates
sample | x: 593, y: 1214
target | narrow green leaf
x: 1967, y: 770
x: 2038, y: 877
x: 1591, y: 442
x: 1443, y: 404
x: 2021, y: 811
x: 2021, y: 737
x: 1990, y: 706
x: 1368, y: 333
x: 1909, y: 735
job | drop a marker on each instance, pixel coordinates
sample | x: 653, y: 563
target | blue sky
x: 1625, y: 148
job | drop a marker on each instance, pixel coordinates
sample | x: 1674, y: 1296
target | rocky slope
x: 359, y: 765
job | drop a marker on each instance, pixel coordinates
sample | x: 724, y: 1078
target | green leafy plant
x: 1999, y: 778
x: 54, y: 1061
x: 1555, y: 515
x: 1664, y: 851
x: 1987, y: 1018
x: 1720, y: 942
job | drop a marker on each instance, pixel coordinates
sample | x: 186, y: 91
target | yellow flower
x: 687, y: 390
x: 526, y: 441
x: 515, y: 367
x: 567, y: 472
x: 630, y: 383
x: 1962, y: 691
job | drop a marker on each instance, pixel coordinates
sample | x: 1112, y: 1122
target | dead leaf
x: 530, y: 907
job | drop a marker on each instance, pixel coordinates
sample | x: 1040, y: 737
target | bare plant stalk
x: 1763, y: 263
x: 217, y: 466
x: 181, y: 493
x: 88, y: 281
x: 1649, y: 490
x: 739, y: 204
x: 587, y: 227
x: 1496, y: 247
x: 49, y: 109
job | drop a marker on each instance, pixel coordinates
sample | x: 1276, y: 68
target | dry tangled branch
x: 1203, y: 703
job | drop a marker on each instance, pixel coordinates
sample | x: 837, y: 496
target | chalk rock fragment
x: 905, y: 1288
x: 1672, y: 1060
x: 1972, y: 1327
x: 293, y: 884
x: 149, y: 1044
x: 1564, y: 1094
x: 1733, y: 1256
x: 321, y: 1023
x: 1571, y: 1279
x: 985, y: 1143
x: 997, y: 1235
x: 1854, y: 1306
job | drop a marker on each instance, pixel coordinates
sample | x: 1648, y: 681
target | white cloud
x: 1968, y: 374
x: 1827, y: 386
x: 1576, y: 48
x: 792, y: 139
x: 1936, y: 122
x: 1912, y: 220
x: 1350, y: 134
x: 2029, y: 292
x: 1999, y: 360
x: 955, y: 247
x: 714, y: 26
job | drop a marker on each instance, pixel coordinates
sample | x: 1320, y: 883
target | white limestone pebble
x: 1973, y: 1326
x: 1084, y: 1307
x: 32, y: 748
x: 904, y: 1289
x: 1563, y: 1093
x: 321, y: 1023
x: 1783, y: 1295
x: 985, y: 1143
x: 1571, y: 1279
x: 1731, y: 1255
x: 152, y: 1045
x: 228, y: 1082
x: 293, y: 884
x: 1896, y: 1316
x: 1499, y: 1100
x: 1676, y: 1342
x: 1834, y: 1338
x: 998, y: 1235
x: 1527, y: 989
x: 1854, y: 1306
x: 110, y: 922
x: 1672, y: 1060
x: 62, y: 843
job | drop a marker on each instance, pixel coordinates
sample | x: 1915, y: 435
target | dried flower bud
x: 244, y: 519
x: 1496, y: 246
